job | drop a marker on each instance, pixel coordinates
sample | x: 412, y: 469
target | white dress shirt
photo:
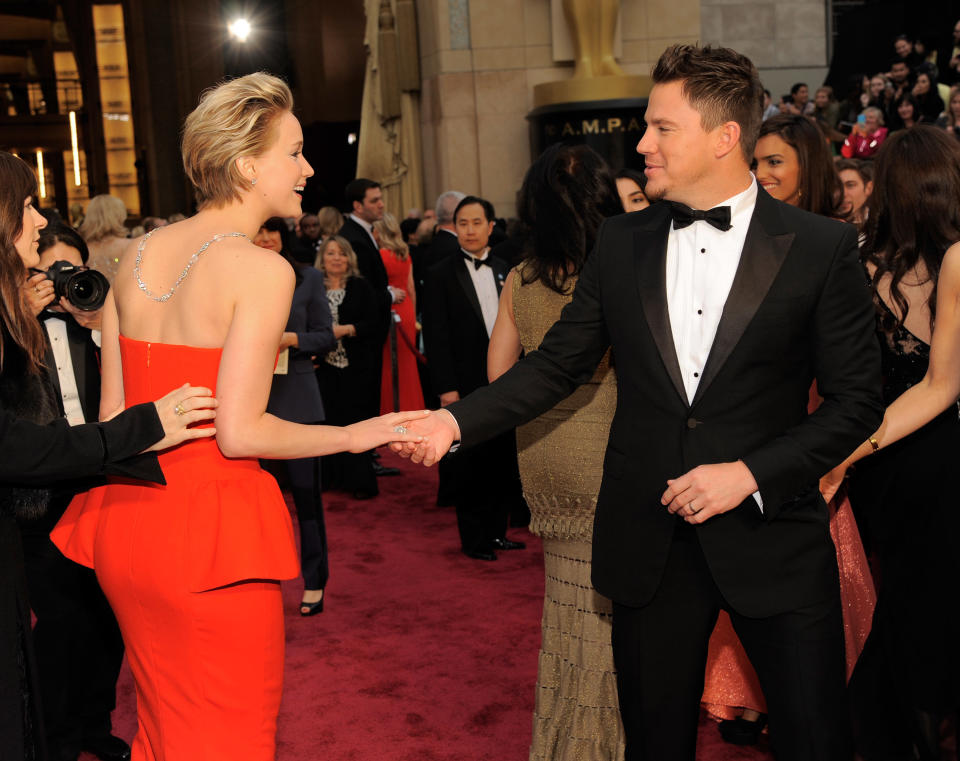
x: 486, y: 287
x: 701, y: 264
x: 57, y: 332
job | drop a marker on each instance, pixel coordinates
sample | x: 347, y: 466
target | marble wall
x: 480, y: 60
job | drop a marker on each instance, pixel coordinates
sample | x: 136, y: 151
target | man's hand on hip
x: 709, y: 490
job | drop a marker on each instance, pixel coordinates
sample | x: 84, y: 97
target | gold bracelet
x: 875, y: 444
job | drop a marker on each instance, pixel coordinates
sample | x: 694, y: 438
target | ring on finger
x: 691, y: 508
x: 180, y: 409
x: 401, y: 429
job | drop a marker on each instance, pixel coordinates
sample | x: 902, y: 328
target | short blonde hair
x: 233, y: 119
x: 390, y: 235
x: 353, y: 267
x: 331, y: 220
x: 105, y: 216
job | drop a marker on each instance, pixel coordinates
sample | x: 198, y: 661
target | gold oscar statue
x: 596, y: 75
x: 593, y: 24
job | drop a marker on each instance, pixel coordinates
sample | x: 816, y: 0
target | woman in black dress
x: 349, y: 374
x: 38, y: 448
x: 905, y: 485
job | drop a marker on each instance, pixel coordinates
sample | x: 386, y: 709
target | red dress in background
x: 411, y: 395
x: 192, y: 572
x: 730, y: 683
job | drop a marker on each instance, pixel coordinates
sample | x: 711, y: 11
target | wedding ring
x: 401, y: 429
x: 179, y: 409
x: 691, y: 508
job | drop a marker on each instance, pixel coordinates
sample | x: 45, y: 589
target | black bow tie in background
x: 477, y: 263
x: 684, y: 216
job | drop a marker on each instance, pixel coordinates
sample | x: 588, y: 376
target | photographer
x: 37, y: 449
x: 77, y: 641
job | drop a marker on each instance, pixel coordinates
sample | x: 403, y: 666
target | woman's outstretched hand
x: 377, y: 431
x: 181, y: 408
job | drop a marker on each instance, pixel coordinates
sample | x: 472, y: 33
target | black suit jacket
x: 454, y: 333
x: 296, y: 395
x: 371, y: 267
x: 799, y: 309
x: 85, y: 356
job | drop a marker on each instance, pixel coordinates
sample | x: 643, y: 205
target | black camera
x: 85, y: 288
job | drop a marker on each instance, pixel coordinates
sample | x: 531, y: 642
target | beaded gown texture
x: 408, y: 394
x: 909, y: 673
x: 192, y: 571
x: 576, y: 715
x: 730, y: 683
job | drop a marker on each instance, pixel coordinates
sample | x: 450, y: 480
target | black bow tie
x: 477, y: 263
x: 684, y: 216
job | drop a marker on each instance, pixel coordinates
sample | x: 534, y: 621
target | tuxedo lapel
x: 500, y: 271
x: 650, y: 256
x: 77, y: 341
x: 764, y: 250
x: 463, y: 278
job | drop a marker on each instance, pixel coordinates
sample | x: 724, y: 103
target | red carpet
x: 422, y: 654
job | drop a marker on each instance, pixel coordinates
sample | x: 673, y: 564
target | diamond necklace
x: 184, y: 272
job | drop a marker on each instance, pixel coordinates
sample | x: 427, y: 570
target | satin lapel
x: 761, y: 259
x: 463, y: 277
x: 500, y: 270
x: 650, y: 255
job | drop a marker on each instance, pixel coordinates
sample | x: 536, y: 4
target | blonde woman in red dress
x: 396, y: 260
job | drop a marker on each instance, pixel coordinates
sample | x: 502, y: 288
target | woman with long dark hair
x: 566, y: 195
x: 295, y: 396
x: 38, y: 448
x: 793, y: 165
x: 905, y: 483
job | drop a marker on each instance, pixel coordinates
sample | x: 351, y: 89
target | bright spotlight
x: 351, y: 138
x: 239, y: 29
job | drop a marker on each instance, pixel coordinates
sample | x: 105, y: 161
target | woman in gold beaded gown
x: 566, y: 195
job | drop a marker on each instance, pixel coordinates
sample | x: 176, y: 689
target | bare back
x: 201, y: 308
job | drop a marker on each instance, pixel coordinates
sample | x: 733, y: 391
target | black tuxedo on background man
x: 77, y: 641
x: 455, y: 338
x: 799, y: 308
x: 370, y: 264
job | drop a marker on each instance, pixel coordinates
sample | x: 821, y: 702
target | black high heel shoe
x: 312, y: 608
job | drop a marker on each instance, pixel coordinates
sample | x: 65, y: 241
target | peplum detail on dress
x: 228, y: 515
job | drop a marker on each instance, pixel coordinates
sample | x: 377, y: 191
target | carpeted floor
x: 422, y: 654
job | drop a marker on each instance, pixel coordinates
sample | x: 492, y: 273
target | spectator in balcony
x: 826, y: 110
x: 903, y: 50
x: 906, y: 113
x: 950, y: 119
x: 928, y: 98
x: 866, y: 137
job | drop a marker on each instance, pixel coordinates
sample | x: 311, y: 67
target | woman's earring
x: 253, y: 181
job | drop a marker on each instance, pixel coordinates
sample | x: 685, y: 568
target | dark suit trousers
x: 660, y: 653
x: 78, y: 646
x: 304, y: 478
x: 482, y: 500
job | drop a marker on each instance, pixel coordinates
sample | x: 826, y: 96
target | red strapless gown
x: 192, y: 572
x: 730, y: 683
x: 410, y: 393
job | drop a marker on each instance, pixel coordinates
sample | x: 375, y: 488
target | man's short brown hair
x: 721, y: 84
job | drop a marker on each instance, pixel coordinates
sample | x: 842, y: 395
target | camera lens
x: 86, y: 290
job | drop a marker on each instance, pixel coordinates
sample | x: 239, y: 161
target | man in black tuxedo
x: 78, y: 645
x: 461, y: 297
x: 365, y: 199
x: 719, y: 321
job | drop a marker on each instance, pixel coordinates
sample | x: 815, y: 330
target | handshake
x: 437, y: 431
